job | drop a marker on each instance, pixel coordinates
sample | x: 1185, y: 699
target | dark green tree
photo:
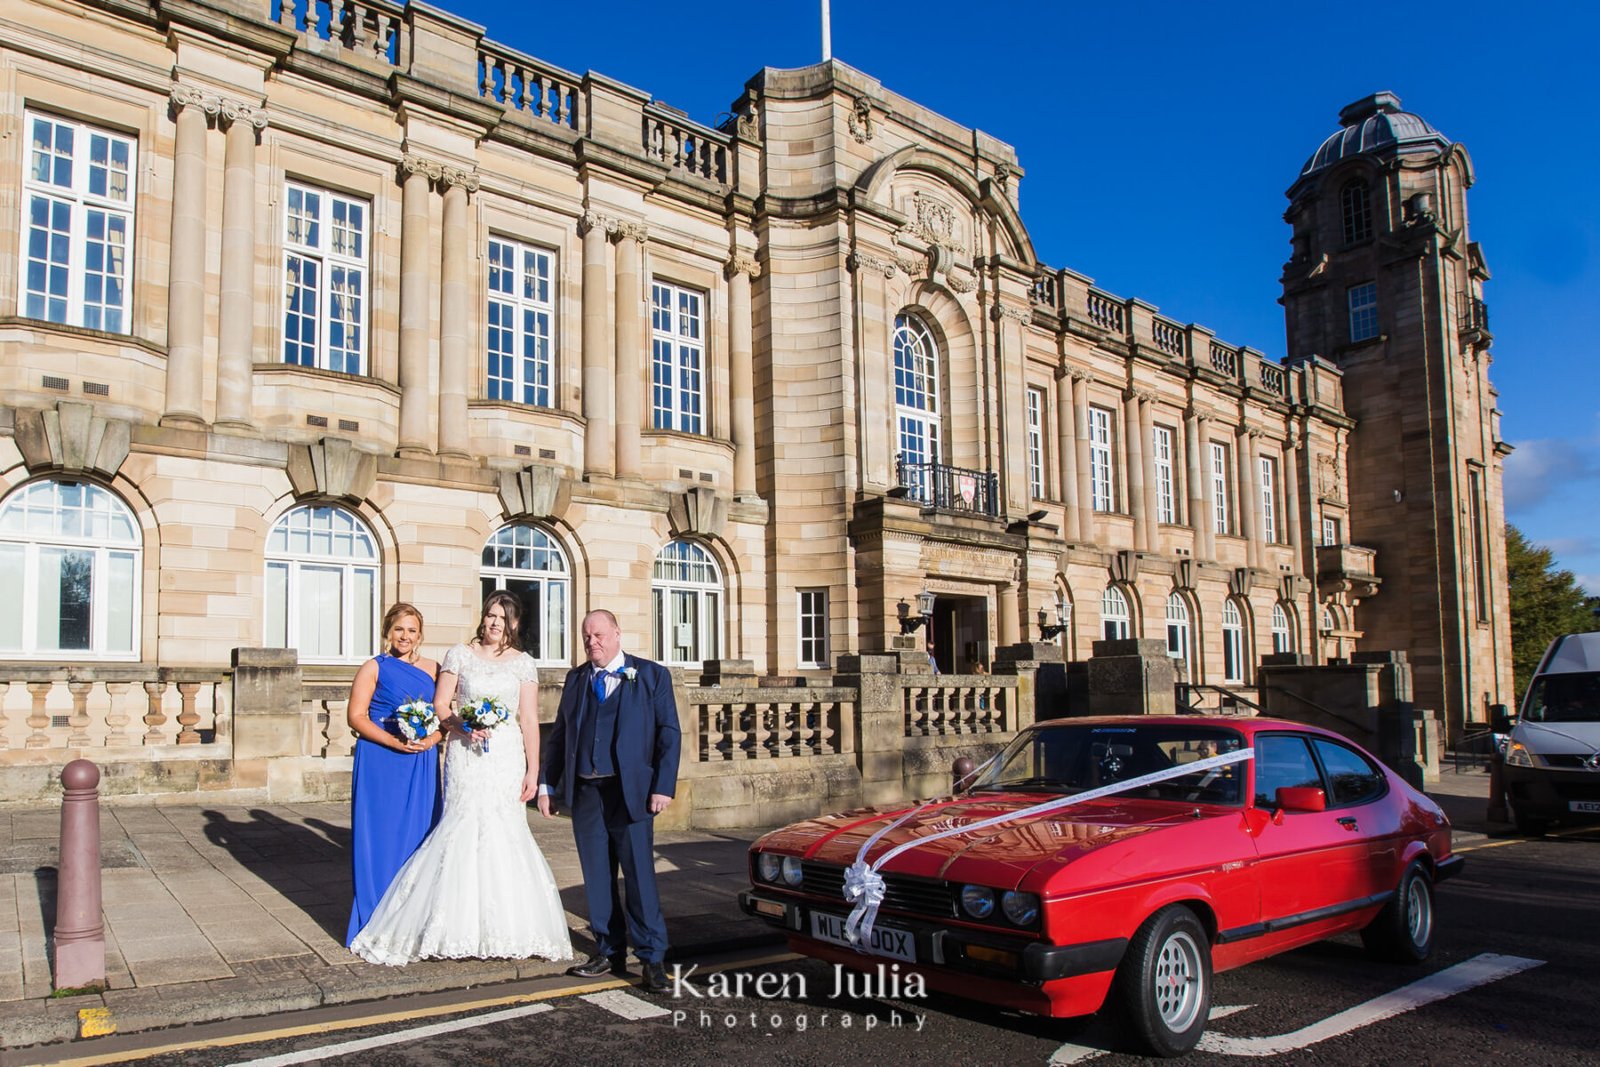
x: 1545, y: 603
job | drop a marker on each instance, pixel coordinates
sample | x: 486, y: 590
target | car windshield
x: 1073, y: 759
x: 1565, y: 698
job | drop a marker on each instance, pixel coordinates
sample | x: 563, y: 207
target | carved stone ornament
x: 71, y: 437
x: 1002, y: 174
x: 219, y: 109
x: 622, y: 230
x: 1183, y: 575
x: 936, y: 222
x: 960, y: 282
x: 861, y: 119
x: 332, y: 468
x: 437, y: 172
x: 698, y: 512
x: 748, y: 124
x: 1001, y: 312
x: 1293, y: 587
x: 743, y: 263
x: 1239, y: 581
x: 1327, y: 476
x: 1125, y: 566
x: 866, y: 261
x: 534, y: 492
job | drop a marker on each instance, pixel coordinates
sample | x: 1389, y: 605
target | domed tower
x: 1385, y: 283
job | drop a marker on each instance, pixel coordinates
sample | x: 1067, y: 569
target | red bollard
x: 80, y: 934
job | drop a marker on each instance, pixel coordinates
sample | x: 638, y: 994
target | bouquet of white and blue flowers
x: 481, y: 716
x: 415, y: 719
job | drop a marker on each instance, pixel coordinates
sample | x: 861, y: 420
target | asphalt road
x: 1517, y: 937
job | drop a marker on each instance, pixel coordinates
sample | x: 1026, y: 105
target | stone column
x: 1147, y: 435
x: 630, y: 386
x: 1067, y: 453
x: 1011, y: 382
x: 1010, y: 620
x: 1133, y: 451
x: 1249, y: 494
x: 1198, y: 447
x: 417, y: 177
x: 186, y: 279
x: 1289, y: 464
x: 741, y: 373
x: 454, y: 314
x: 236, y: 319
x: 1080, y: 407
x: 599, y: 368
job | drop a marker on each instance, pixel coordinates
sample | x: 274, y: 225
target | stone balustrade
x: 370, y: 29
x: 1169, y: 337
x: 758, y: 723
x: 686, y: 147
x: 944, y: 705
x: 528, y: 87
x: 1224, y: 360
x: 54, y: 714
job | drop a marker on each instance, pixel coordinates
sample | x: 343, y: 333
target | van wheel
x: 1163, y: 986
x: 1403, y: 931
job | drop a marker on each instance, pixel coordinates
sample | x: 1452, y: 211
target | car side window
x: 1282, y: 760
x: 1352, y: 778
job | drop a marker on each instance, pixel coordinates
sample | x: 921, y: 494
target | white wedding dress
x: 478, y: 887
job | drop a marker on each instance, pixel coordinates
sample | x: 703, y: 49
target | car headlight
x: 768, y: 866
x: 977, y: 901
x: 1517, y: 755
x: 1021, y: 908
x: 792, y: 872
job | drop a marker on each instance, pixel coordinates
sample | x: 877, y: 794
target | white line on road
x: 624, y: 1004
x: 344, y: 1048
x: 1070, y: 1053
x: 1480, y: 970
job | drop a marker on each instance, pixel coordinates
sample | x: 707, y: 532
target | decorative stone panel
x: 71, y: 437
x: 1125, y: 566
x: 534, y: 492
x: 332, y: 468
x: 698, y: 512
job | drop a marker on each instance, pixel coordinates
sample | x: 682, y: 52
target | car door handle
x: 1349, y: 823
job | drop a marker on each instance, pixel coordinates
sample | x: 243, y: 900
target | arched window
x: 322, y: 585
x: 916, y: 404
x: 1355, y: 203
x: 1115, y: 619
x: 69, y: 572
x: 1282, y: 628
x: 1177, y: 628
x: 686, y: 596
x: 1232, y: 643
x: 528, y: 563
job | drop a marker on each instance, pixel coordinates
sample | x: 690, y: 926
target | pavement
x: 226, y: 912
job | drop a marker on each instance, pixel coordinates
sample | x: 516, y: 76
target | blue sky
x: 1157, y: 140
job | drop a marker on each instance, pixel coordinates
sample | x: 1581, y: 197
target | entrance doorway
x: 960, y: 633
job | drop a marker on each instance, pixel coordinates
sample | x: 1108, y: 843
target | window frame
x: 555, y: 640
x: 811, y: 631
x: 1122, y: 622
x: 81, y: 204
x: 1036, y: 447
x: 1102, y: 470
x: 1355, y: 211
x: 1363, y: 316
x: 329, y: 259
x: 1268, y: 468
x: 710, y: 598
x: 678, y: 352
x: 1161, y: 438
x: 1318, y: 746
x: 1282, y: 627
x: 532, y: 378
x: 1220, y: 510
x: 918, y: 416
x: 1233, y: 643
x: 1180, y: 625
x: 1330, y: 530
x: 296, y: 563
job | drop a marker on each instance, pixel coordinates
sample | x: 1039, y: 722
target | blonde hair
x: 397, y: 611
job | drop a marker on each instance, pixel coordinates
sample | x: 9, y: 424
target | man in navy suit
x: 612, y: 759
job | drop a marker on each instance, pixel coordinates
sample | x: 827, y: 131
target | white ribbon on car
x: 864, y: 886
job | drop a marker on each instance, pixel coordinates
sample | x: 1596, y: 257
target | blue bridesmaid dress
x: 396, y: 794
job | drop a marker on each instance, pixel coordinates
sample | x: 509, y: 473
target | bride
x: 478, y: 886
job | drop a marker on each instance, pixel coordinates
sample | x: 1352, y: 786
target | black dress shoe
x: 655, y: 977
x: 596, y: 966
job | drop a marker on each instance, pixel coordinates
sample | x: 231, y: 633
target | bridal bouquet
x: 415, y: 719
x: 482, y: 715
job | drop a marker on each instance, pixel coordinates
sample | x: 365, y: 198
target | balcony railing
x: 950, y: 488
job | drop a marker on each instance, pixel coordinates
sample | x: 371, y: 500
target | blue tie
x: 600, y: 686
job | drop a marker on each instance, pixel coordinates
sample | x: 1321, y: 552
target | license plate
x: 884, y: 941
x: 1586, y: 806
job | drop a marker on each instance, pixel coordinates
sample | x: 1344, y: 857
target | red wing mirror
x: 1302, y: 798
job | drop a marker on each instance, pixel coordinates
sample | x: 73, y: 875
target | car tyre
x: 1163, y: 986
x: 1403, y: 931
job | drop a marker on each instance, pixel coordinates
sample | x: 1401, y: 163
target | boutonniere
x: 630, y: 673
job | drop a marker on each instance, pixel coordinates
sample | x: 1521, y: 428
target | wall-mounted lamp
x: 909, y: 623
x: 1049, y: 631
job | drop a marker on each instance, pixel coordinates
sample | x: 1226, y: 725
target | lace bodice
x: 479, y: 678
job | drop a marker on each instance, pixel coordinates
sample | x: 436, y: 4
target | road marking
x: 344, y: 1048
x: 1070, y: 1053
x: 1572, y: 832
x: 624, y: 1004
x: 1480, y: 970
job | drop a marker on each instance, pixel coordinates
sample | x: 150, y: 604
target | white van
x: 1552, y: 757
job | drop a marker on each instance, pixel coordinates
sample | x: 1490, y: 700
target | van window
x: 1564, y: 698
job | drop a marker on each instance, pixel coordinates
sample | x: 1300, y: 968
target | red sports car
x: 1167, y: 848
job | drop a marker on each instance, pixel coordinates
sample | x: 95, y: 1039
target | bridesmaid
x: 395, y: 782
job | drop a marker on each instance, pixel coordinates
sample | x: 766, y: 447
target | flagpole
x: 827, y: 33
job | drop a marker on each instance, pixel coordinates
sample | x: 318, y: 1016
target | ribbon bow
x: 864, y: 888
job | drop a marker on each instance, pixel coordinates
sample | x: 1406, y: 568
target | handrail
x: 1233, y: 695
x: 1308, y: 702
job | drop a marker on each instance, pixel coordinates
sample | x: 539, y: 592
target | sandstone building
x: 300, y: 315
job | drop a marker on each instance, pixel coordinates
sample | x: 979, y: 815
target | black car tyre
x: 1163, y: 986
x: 1403, y: 931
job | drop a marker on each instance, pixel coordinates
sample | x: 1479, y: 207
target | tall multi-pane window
x: 1219, y: 487
x: 686, y: 600
x: 322, y: 585
x: 1269, y: 498
x: 519, y: 317
x: 1480, y: 579
x: 1100, y: 459
x: 1355, y: 202
x: 916, y: 404
x: 325, y: 279
x: 1232, y: 642
x: 69, y: 573
x: 1115, y: 618
x: 1282, y: 630
x: 677, y: 366
x: 528, y: 563
x: 1363, y: 301
x: 1177, y: 628
x: 813, y: 605
x: 1330, y: 530
x: 1036, y: 443
x: 1166, y: 498
x: 77, y: 217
